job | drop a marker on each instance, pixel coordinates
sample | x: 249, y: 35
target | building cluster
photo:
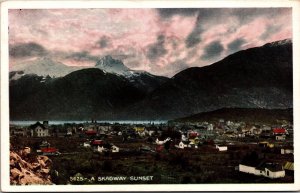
x: 181, y: 136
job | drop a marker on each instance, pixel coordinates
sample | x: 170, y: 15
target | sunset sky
x: 161, y: 41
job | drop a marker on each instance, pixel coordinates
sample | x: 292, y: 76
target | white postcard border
x: 5, y: 185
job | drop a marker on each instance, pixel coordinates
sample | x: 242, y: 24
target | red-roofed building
x: 97, y: 142
x: 192, y: 135
x: 50, y: 151
x: 279, y: 131
x: 159, y: 148
x: 91, y: 132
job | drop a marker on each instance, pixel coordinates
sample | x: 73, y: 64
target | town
x: 223, y: 151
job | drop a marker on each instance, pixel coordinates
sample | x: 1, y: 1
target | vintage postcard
x: 149, y: 95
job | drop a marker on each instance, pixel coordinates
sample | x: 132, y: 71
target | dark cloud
x: 202, y: 13
x: 246, y: 15
x: 104, y: 42
x: 204, y: 16
x: 169, y: 12
x: 236, y: 44
x: 82, y: 56
x: 208, y: 15
x: 270, y: 30
x: 212, y: 50
x: 27, y: 50
x: 194, y: 37
x: 157, y: 49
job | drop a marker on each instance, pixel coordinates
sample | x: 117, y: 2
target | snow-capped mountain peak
x: 112, y: 65
x: 44, y: 67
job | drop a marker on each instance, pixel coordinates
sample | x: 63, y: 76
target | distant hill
x: 265, y: 116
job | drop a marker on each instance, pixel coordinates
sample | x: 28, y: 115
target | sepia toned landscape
x: 151, y: 96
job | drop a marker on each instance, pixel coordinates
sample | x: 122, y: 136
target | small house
x: 87, y: 144
x: 158, y: 142
x: 182, y: 145
x: 210, y: 127
x: 183, y: 137
x: 100, y: 149
x: 19, y: 132
x: 287, y: 151
x: 280, y: 137
x: 267, y: 169
x: 221, y: 147
x: 115, y: 149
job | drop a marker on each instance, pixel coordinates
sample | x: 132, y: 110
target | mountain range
x: 43, y: 67
x: 260, y: 77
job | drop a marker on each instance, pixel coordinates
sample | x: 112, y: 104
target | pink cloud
x: 132, y: 31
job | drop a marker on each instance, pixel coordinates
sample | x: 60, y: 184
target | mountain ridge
x: 260, y: 77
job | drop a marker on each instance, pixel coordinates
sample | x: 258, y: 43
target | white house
x: 115, y: 149
x: 210, y: 127
x: 184, y: 138
x: 189, y: 144
x: 162, y: 142
x: 87, y: 144
x: 101, y: 149
x: 269, y: 170
x: 287, y: 151
x: 181, y: 145
x: 39, y: 130
x: 221, y: 147
x: 280, y: 137
x: 151, y: 132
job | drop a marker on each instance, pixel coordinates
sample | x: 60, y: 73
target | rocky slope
x: 28, y: 170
